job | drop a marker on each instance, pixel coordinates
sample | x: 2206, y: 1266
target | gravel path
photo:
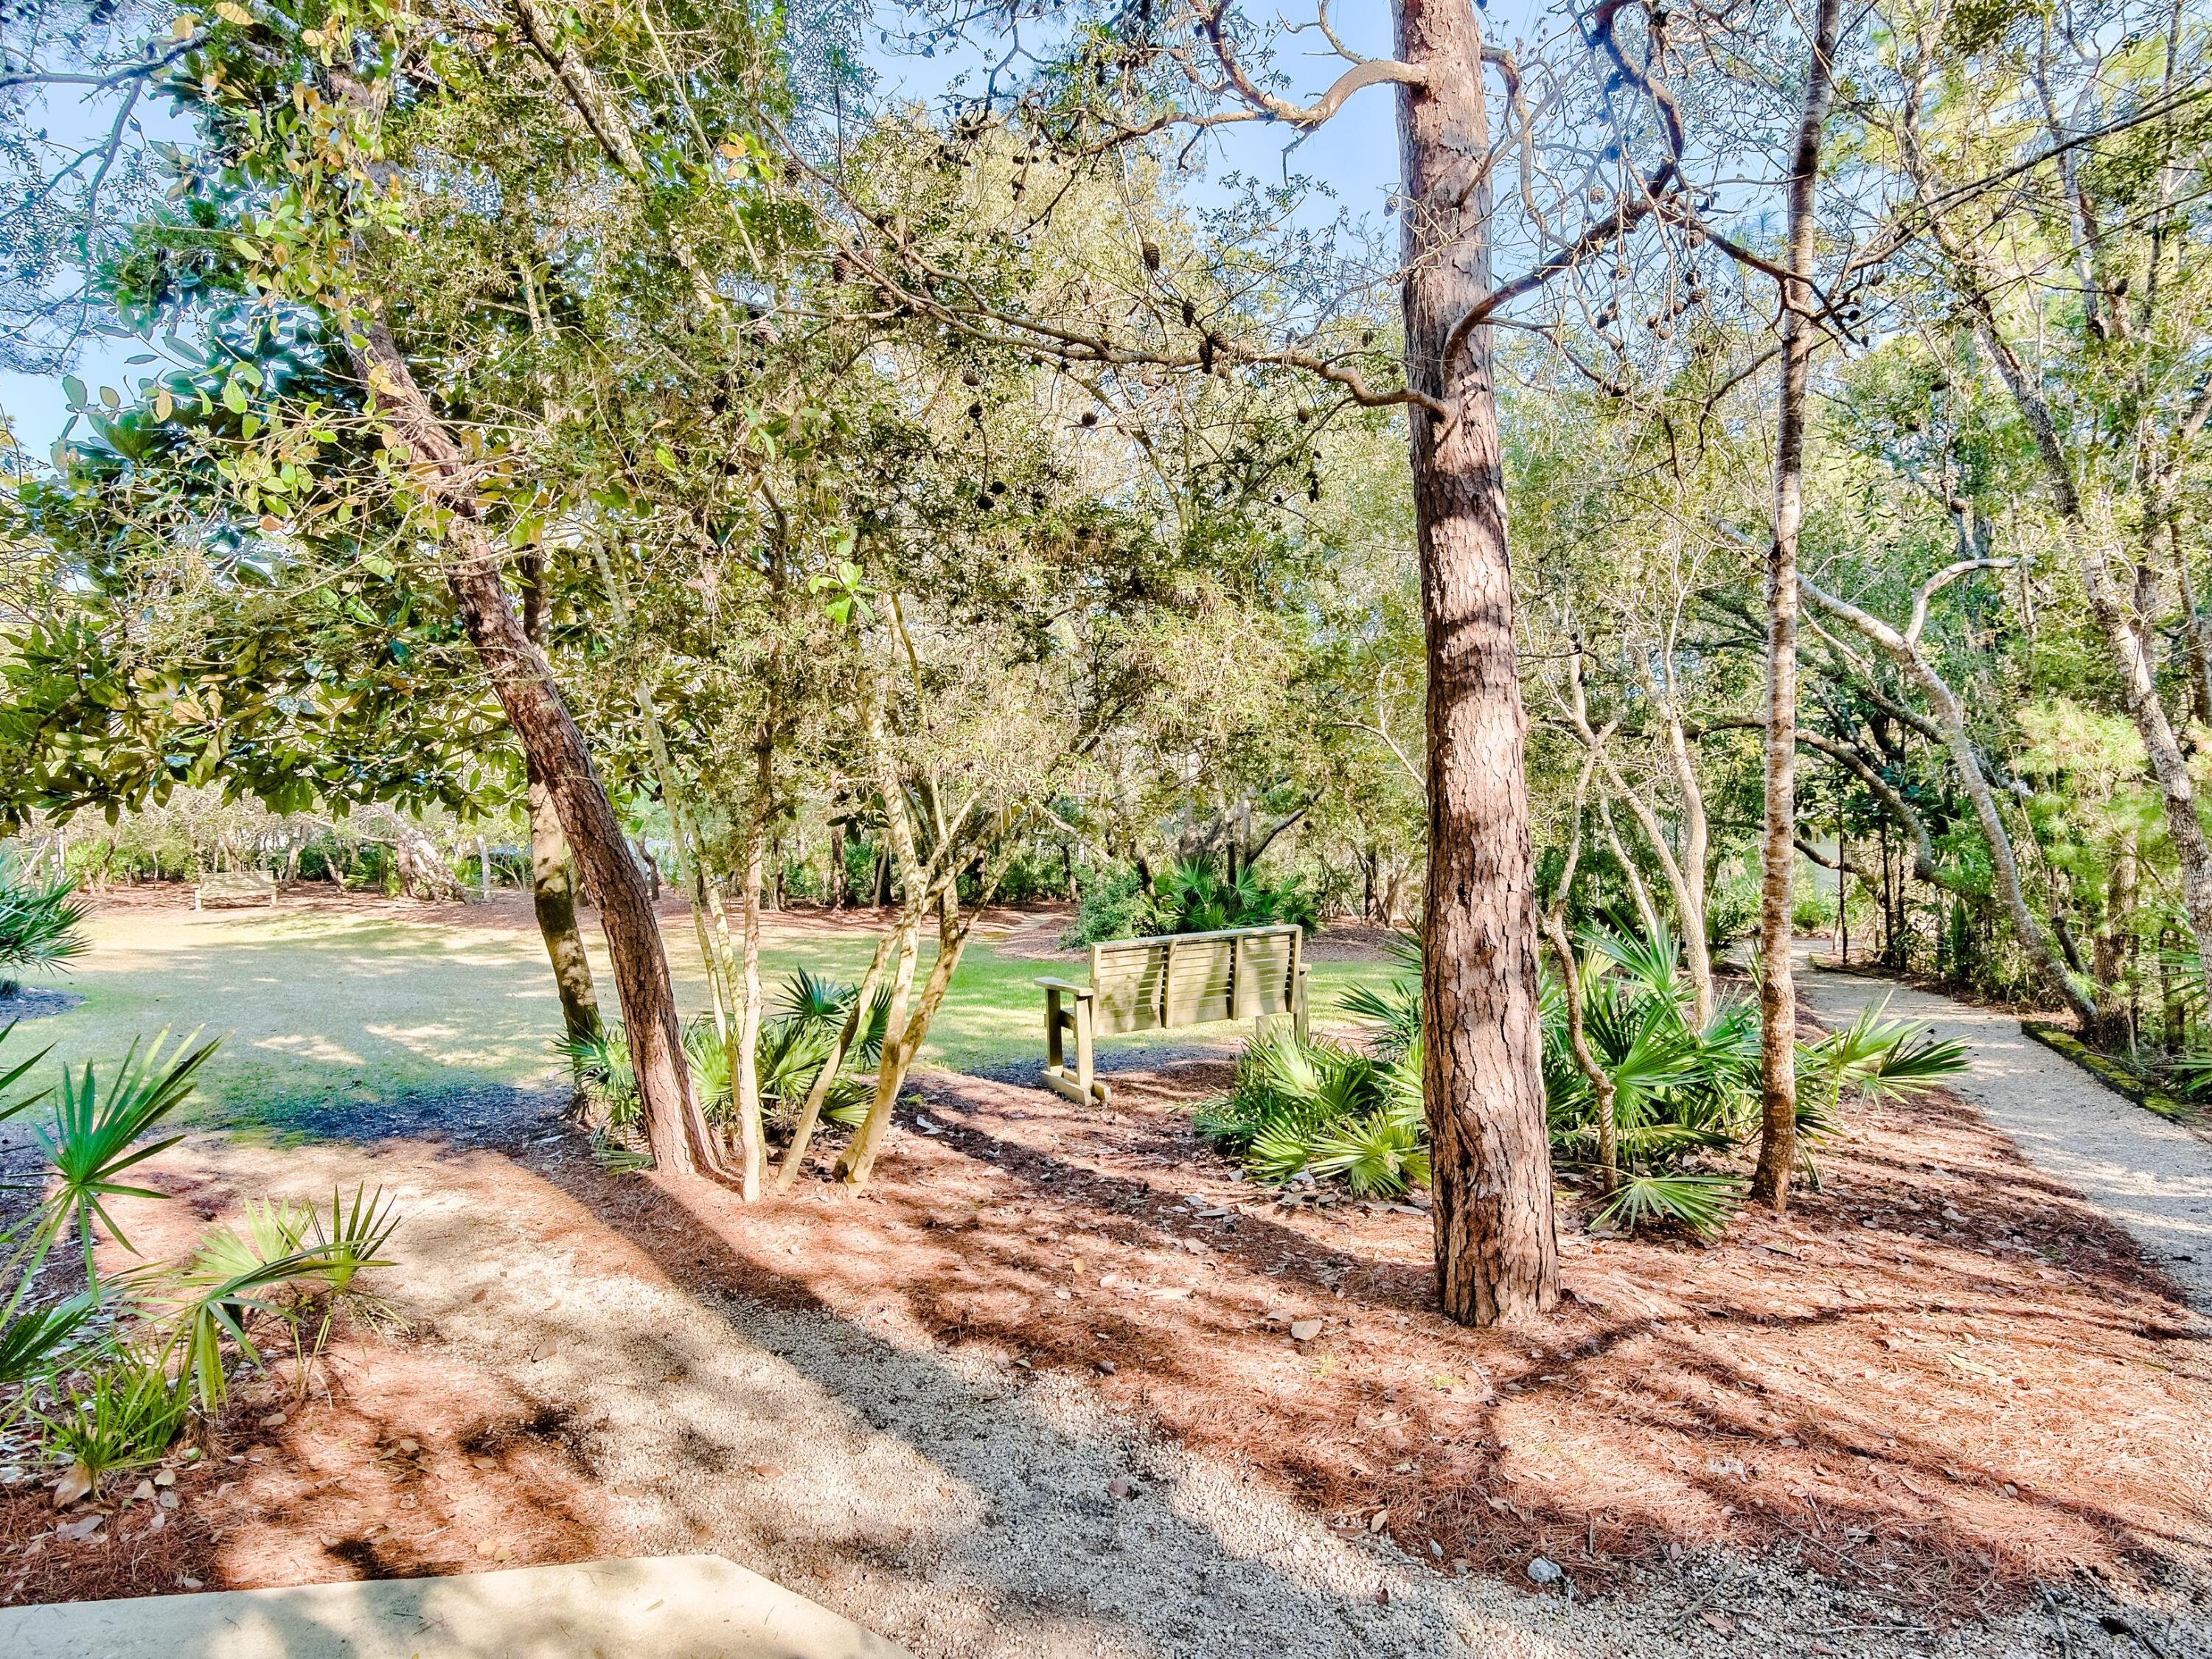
x: 2153, y: 1177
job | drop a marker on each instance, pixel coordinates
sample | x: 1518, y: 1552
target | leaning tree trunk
x: 523, y: 681
x: 1777, y: 993
x: 1482, y: 1070
x: 1951, y: 721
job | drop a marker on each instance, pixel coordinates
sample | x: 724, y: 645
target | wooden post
x: 1085, y: 1078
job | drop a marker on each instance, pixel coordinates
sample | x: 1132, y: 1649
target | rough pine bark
x: 1777, y: 993
x: 1496, y: 1250
x: 523, y: 681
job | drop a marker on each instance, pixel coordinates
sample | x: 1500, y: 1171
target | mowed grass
x: 319, y: 1008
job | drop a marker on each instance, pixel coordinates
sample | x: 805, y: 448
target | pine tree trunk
x: 1496, y: 1250
x: 523, y: 681
x: 1778, y: 992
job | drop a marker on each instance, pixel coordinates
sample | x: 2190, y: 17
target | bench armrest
x: 1061, y: 985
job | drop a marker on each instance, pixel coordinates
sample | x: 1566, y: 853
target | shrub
x: 1682, y: 1093
x: 1731, y: 914
x: 1192, y: 898
x: 41, y: 926
x: 120, y: 1404
x: 1117, y: 907
x: 122, y: 1415
x: 798, y: 1028
x: 1812, y: 911
x: 1299, y: 1107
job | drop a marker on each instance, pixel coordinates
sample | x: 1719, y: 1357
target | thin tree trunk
x: 523, y: 681
x: 1482, y: 1057
x: 752, y: 1151
x: 1777, y: 993
x: 1571, y: 990
x: 552, y: 871
x: 1638, y: 892
x: 858, y: 1161
x: 1951, y: 721
x: 794, y: 1157
x: 955, y: 925
x: 553, y: 897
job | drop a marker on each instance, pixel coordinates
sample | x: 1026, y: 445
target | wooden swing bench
x: 1164, y: 983
x: 235, y: 887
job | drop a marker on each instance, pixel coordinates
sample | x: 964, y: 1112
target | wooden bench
x: 1159, y: 984
x: 235, y: 887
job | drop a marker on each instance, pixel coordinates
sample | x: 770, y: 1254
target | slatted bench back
x: 1191, y: 979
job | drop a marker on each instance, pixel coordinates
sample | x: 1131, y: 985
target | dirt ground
x: 1937, y: 1385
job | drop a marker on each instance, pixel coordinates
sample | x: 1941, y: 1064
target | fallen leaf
x: 1719, y: 1621
x: 1379, y: 1520
x: 274, y: 1420
x: 75, y: 1530
x: 73, y: 1484
x: 1304, y: 1330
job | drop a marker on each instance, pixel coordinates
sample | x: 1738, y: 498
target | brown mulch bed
x: 1940, y: 1375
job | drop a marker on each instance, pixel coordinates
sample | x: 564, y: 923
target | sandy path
x: 964, y: 1508
x: 2153, y: 1177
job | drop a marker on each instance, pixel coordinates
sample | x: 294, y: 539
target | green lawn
x: 319, y: 1008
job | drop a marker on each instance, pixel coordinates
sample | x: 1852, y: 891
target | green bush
x: 1117, y: 907
x: 798, y: 1029
x: 121, y: 1415
x: 1810, y: 912
x: 1683, y: 1094
x: 1192, y: 898
x: 1297, y: 1108
x: 178, y: 1332
x: 41, y: 926
x: 1731, y: 914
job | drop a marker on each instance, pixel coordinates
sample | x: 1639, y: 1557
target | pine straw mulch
x: 1940, y: 1376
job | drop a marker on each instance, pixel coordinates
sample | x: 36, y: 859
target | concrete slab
x: 680, y: 1607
